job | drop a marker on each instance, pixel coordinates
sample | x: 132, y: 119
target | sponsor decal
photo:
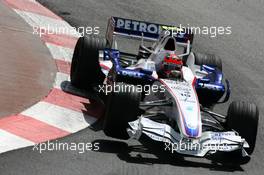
x: 131, y: 74
x: 138, y: 26
x: 220, y: 136
x: 150, y: 30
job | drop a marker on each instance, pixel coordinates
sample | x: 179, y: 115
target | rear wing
x: 139, y: 29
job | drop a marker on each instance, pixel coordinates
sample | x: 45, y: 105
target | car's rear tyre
x: 122, y: 107
x: 243, y: 117
x: 208, y: 59
x: 85, y: 67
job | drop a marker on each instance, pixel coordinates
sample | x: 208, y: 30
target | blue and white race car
x: 164, y: 91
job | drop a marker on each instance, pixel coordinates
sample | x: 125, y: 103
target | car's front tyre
x: 243, y: 117
x: 122, y: 107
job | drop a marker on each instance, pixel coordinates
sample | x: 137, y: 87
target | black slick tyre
x: 208, y: 59
x: 243, y: 117
x: 85, y: 67
x: 122, y: 107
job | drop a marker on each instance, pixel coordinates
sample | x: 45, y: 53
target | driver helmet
x: 172, y: 65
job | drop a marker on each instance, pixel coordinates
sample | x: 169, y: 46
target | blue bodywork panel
x: 137, y: 75
x: 211, y: 87
x: 213, y: 80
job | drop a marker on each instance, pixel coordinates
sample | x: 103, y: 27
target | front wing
x: 209, y: 142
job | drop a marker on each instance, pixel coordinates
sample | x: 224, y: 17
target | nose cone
x: 193, y: 131
x: 191, y: 121
x: 187, y: 107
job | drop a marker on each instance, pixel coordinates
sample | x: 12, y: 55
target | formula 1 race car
x: 164, y: 91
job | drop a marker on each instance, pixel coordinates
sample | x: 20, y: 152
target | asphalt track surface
x: 242, y: 55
